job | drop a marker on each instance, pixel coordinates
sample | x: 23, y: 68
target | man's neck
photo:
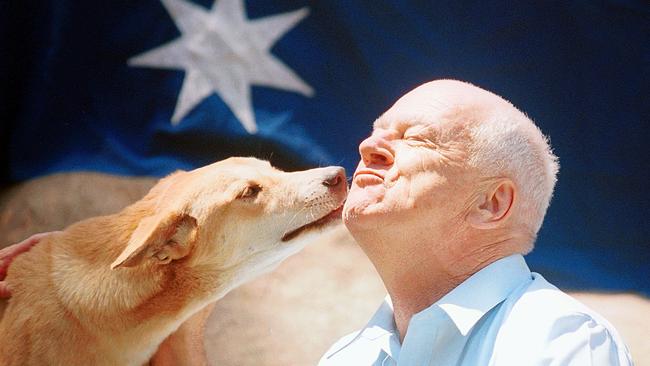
x: 416, y: 279
x: 418, y: 290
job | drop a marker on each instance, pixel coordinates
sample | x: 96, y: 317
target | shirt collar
x: 466, y: 304
x: 380, y: 330
x: 382, y: 322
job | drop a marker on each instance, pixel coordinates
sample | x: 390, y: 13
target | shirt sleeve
x: 578, y: 339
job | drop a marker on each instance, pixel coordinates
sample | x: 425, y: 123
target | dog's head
x: 239, y: 214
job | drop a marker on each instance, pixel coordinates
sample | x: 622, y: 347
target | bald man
x: 451, y: 190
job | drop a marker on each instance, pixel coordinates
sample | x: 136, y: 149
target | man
x: 451, y: 189
x: 450, y: 192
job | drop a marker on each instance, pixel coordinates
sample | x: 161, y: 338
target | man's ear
x: 493, y: 206
x: 163, y: 238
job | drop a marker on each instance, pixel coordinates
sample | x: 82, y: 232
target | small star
x: 224, y: 52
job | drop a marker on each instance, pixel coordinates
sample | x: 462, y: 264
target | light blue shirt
x: 502, y: 315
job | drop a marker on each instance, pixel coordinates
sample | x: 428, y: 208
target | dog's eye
x: 251, y: 191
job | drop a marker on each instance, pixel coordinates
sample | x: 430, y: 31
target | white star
x: 222, y: 51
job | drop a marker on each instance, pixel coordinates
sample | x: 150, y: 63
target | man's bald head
x: 500, y: 141
x: 454, y: 164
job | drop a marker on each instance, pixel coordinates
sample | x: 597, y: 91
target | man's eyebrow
x: 385, y: 121
x: 382, y: 121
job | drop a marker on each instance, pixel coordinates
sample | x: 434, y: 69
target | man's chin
x: 359, y: 215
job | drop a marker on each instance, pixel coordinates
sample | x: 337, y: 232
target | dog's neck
x: 149, y: 295
x: 81, y: 258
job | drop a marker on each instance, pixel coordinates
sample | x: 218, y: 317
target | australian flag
x: 150, y: 86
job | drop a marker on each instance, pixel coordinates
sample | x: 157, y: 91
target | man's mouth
x: 364, y: 178
x: 328, y: 218
x: 367, y: 173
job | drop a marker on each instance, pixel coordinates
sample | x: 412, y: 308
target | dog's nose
x: 335, y: 178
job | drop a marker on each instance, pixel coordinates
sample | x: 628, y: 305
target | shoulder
x: 557, y: 329
x: 543, y: 305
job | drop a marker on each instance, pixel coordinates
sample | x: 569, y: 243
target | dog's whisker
x: 290, y: 224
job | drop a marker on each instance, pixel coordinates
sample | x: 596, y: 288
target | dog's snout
x: 335, y: 178
x: 332, y: 181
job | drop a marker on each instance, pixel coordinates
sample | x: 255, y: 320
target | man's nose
x: 376, y: 150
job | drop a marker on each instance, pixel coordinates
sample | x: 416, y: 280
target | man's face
x: 412, y: 168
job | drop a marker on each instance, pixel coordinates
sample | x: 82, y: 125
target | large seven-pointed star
x: 224, y: 52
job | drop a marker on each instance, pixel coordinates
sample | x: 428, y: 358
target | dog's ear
x: 162, y: 238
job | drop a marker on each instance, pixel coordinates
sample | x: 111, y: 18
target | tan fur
x: 108, y: 290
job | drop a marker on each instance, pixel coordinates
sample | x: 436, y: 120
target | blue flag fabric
x: 148, y: 87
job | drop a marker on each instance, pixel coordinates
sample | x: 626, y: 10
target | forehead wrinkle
x: 413, y: 109
x: 403, y: 121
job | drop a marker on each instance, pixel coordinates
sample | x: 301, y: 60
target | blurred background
x: 101, y: 98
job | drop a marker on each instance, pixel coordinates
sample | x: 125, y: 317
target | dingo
x: 110, y: 289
